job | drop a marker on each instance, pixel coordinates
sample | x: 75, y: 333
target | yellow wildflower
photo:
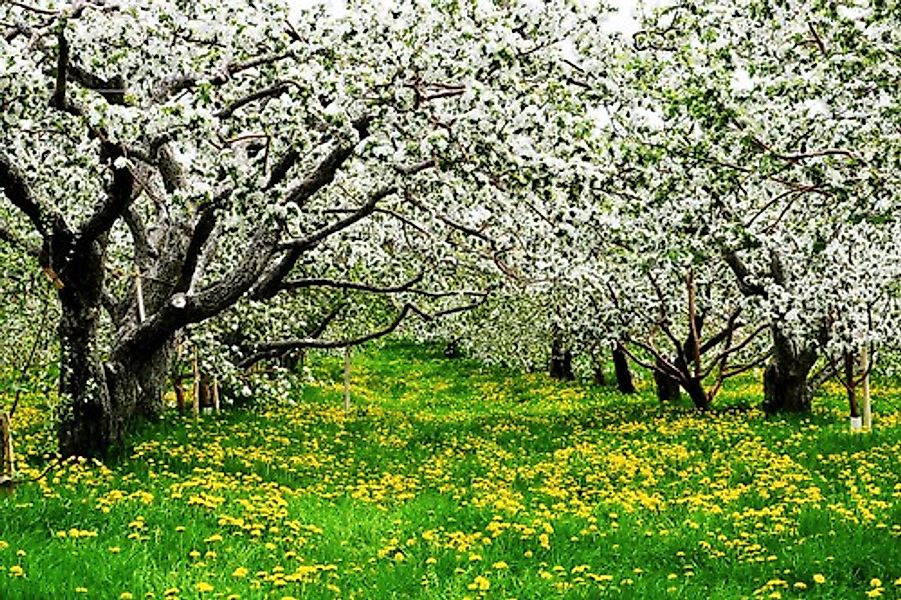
x: 203, y: 587
x: 480, y: 583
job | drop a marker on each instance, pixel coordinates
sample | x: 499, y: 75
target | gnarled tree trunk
x: 785, y: 387
x: 101, y: 397
x: 100, y: 401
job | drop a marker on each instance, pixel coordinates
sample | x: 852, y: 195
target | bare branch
x: 270, y: 92
x: 817, y: 39
x: 296, y: 284
x: 362, y: 212
x: 185, y: 82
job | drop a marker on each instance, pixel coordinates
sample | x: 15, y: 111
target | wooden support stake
x: 216, y: 393
x: 347, y: 379
x: 7, y: 462
x: 139, y: 291
x: 867, y: 409
x: 195, y: 402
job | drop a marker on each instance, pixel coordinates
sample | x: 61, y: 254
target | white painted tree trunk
x: 216, y: 394
x: 347, y: 379
x: 195, y: 401
x: 866, y: 407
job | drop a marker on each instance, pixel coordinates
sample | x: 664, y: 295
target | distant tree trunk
x: 668, y: 389
x: 452, y: 349
x: 599, y: 377
x: 289, y: 360
x: 785, y: 386
x: 621, y: 369
x: 561, y: 364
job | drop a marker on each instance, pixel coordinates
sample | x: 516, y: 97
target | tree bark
x: 668, y: 389
x: 785, y: 386
x: 696, y: 392
x: 561, y: 364
x: 99, y: 401
x: 624, y: 381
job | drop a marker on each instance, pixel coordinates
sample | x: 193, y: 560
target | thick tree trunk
x: 100, y: 401
x: 785, y: 386
x: 697, y: 394
x: 668, y: 389
x: 621, y: 369
x: 561, y: 364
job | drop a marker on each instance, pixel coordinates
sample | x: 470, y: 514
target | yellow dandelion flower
x: 875, y: 582
x: 16, y: 571
x: 480, y: 584
x: 500, y: 565
x: 818, y: 578
x: 203, y: 587
x: 126, y: 596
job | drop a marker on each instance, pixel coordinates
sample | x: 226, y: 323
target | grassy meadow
x: 453, y: 480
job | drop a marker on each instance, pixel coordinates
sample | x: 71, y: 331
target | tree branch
x: 742, y: 275
x: 46, y: 220
x: 296, y: 284
x: 362, y: 212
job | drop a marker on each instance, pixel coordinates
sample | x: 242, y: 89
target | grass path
x: 449, y: 480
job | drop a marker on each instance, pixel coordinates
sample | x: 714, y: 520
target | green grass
x: 449, y: 479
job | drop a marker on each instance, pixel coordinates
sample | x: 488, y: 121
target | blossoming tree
x: 167, y: 160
